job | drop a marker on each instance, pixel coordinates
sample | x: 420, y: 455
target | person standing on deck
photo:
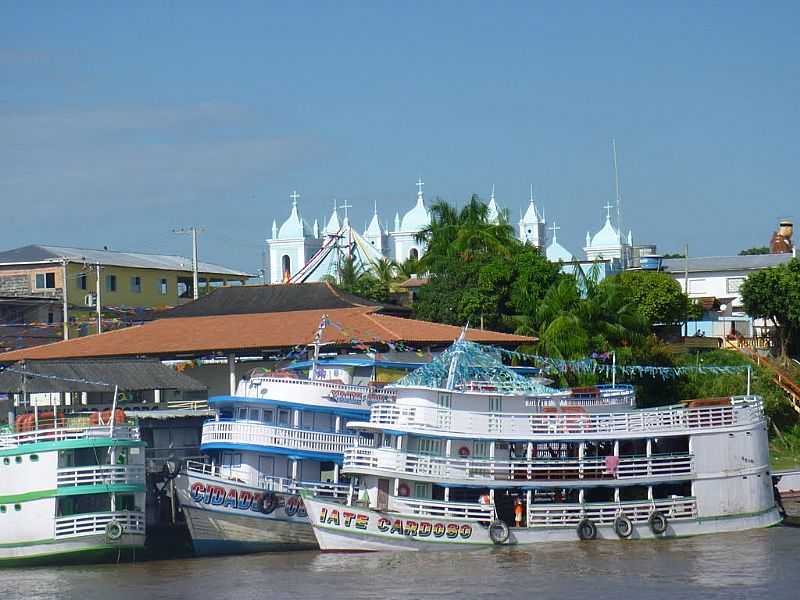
x: 518, y: 512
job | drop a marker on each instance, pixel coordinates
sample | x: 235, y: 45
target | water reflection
x: 750, y: 564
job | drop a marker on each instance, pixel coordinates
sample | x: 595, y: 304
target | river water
x: 754, y: 564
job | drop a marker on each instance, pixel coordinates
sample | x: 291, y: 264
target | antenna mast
x: 616, y: 185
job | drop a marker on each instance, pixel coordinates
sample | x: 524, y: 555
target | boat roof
x: 465, y: 364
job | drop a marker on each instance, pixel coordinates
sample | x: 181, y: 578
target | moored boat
x: 72, y: 488
x: 471, y: 455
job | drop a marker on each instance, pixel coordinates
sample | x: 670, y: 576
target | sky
x: 120, y: 121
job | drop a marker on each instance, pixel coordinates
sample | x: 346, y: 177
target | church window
x: 286, y: 263
x: 414, y: 254
x: 529, y: 231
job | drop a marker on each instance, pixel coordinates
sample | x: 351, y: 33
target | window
x: 286, y: 265
x: 162, y: 287
x: 697, y: 286
x: 414, y: 254
x: 429, y: 446
x: 50, y: 318
x: 254, y: 414
x: 111, y: 283
x: 443, y: 399
x: 136, y: 284
x: 45, y: 281
x: 242, y: 414
x: 495, y: 404
x: 34, y: 458
x: 267, y: 416
x: 81, y: 281
x: 732, y: 284
x: 230, y: 459
x: 283, y: 416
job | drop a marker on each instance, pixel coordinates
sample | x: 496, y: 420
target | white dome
x: 418, y: 218
x: 607, y: 236
x: 556, y: 252
x: 294, y: 227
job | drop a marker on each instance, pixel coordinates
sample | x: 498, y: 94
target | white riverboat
x: 280, y: 434
x: 471, y: 455
x: 71, y: 488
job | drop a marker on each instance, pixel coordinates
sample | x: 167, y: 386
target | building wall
x: 23, y: 280
x: 721, y: 284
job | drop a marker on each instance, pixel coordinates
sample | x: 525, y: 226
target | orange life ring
x: 403, y: 490
x: 463, y: 452
x: 485, y: 499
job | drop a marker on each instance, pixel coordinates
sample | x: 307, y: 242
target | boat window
x: 267, y: 416
x: 17, y: 459
x: 633, y: 492
x: 34, y: 458
x: 598, y: 449
x: 422, y: 490
x: 599, y: 494
x: 480, y: 449
x: 231, y: 459
x: 2, y: 509
x: 668, y: 490
x: 85, y: 503
x: 242, y: 414
x: 6, y: 461
x: 633, y: 447
x: 443, y: 399
x: 495, y: 404
x: 671, y: 445
x: 254, y: 414
x: 125, y: 502
x: 283, y: 416
x: 18, y: 507
x: 430, y: 447
x: 387, y: 440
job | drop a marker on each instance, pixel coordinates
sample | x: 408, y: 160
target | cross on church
x: 420, y: 183
x: 344, y: 205
x: 608, y: 208
x: 554, y: 228
x: 294, y: 196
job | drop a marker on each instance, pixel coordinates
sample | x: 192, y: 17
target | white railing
x: 277, y: 388
x: 94, y: 523
x: 394, y: 462
x: 188, y: 404
x: 236, y: 432
x: 433, y: 508
x: 741, y: 411
x: 569, y: 515
x: 100, y: 475
x: 12, y: 440
x: 270, y: 483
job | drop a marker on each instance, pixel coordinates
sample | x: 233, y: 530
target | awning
x: 93, y: 375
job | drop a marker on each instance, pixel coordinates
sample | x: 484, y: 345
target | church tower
x: 291, y: 245
x: 532, y: 226
x: 374, y: 233
x: 415, y: 220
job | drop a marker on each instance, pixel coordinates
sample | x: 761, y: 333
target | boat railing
x: 69, y: 432
x: 638, y: 511
x: 433, y: 508
x: 336, y: 392
x: 239, y: 432
x: 396, y: 462
x: 270, y: 483
x: 100, y: 475
x: 739, y: 411
x: 132, y: 522
x: 188, y: 404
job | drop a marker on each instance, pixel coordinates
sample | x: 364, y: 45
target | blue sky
x: 120, y: 120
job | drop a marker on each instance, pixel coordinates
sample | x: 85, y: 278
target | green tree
x: 756, y: 250
x: 774, y: 293
x: 657, y: 296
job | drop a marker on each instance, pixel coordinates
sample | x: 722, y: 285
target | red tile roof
x: 255, y: 332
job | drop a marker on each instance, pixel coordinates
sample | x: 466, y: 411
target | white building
x: 405, y: 231
x: 608, y: 243
x: 291, y: 246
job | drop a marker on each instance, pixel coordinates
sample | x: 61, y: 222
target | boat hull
x: 84, y: 549
x: 353, y: 529
x: 225, y: 517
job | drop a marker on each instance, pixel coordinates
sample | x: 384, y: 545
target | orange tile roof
x: 206, y: 335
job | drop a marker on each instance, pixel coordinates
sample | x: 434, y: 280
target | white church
x: 299, y: 252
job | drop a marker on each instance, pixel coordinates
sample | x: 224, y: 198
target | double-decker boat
x: 469, y: 455
x: 72, y: 487
x: 280, y: 434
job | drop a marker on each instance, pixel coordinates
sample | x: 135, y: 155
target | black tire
x: 498, y: 532
x: 623, y: 526
x: 658, y: 522
x: 587, y: 530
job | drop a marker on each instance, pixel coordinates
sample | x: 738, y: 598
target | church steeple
x: 532, y: 226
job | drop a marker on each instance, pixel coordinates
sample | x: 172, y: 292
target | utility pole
x: 686, y: 285
x: 64, y: 287
x: 194, y: 230
x: 98, y: 301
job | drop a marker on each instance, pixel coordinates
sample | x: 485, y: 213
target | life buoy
x: 113, y: 530
x: 403, y: 490
x: 498, y: 532
x: 658, y: 522
x: 587, y: 530
x: 269, y: 504
x: 463, y: 452
x: 623, y: 526
x: 485, y: 499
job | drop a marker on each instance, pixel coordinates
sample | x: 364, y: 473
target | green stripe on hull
x: 130, y: 488
x: 70, y: 444
x: 93, y: 554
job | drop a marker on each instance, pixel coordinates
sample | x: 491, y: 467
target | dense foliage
x: 755, y: 250
x: 774, y: 294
